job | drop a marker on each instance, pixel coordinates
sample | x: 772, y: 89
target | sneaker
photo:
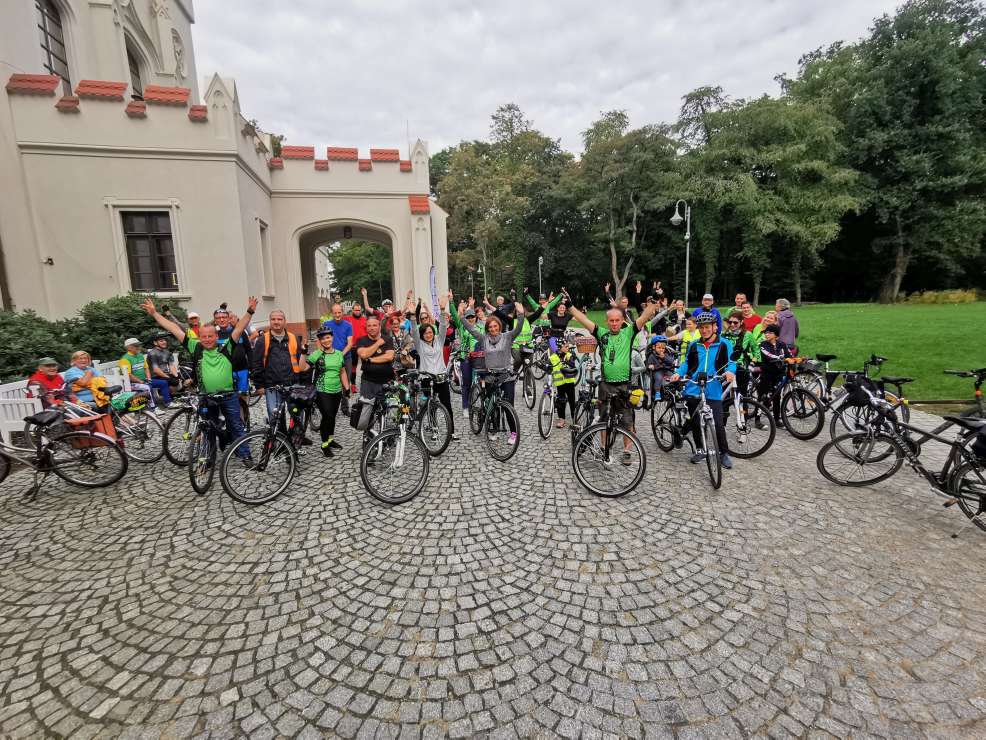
x: 626, y: 458
x: 455, y: 437
x: 759, y: 423
x: 465, y: 412
x: 697, y: 457
x: 727, y: 462
x: 335, y: 445
x: 327, y: 450
x: 247, y: 462
x: 158, y: 410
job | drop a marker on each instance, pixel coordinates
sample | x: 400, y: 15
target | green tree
x: 911, y: 98
x: 360, y: 264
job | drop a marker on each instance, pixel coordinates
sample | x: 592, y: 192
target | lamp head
x: 676, y: 218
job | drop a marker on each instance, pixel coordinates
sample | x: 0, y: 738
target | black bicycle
x: 431, y: 419
x: 493, y: 414
x: 209, y: 437
x: 84, y: 458
x: 876, y: 453
x: 258, y: 478
x: 608, y: 459
x: 394, y: 463
x: 586, y: 404
x: 798, y: 409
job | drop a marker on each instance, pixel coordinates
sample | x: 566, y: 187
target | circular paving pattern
x: 503, y: 601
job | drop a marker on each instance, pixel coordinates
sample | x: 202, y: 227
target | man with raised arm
x: 615, y: 350
x: 213, y: 364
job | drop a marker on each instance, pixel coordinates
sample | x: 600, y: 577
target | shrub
x: 26, y: 338
x: 943, y: 296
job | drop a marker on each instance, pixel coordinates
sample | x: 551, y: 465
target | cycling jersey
x: 745, y: 348
x: 615, y: 350
x: 213, y: 367
x: 711, y: 358
x: 135, y: 364
x: 327, y: 368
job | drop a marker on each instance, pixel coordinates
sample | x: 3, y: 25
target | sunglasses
x: 733, y: 323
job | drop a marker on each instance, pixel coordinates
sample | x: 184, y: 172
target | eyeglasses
x: 733, y: 323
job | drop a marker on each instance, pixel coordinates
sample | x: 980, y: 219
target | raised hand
x: 527, y: 291
x: 410, y: 294
x: 640, y: 286
x: 363, y: 292
x: 607, y: 287
x: 148, y: 305
x: 252, y: 303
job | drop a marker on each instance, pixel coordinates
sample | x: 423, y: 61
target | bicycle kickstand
x: 31, y: 494
x: 978, y: 518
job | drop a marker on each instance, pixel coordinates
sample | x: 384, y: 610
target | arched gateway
x: 117, y: 176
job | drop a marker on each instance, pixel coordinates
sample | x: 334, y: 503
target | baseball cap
x: 708, y: 296
x: 387, y: 302
x: 132, y: 340
x: 470, y: 314
x: 47, y: 361
x: 192, y: 315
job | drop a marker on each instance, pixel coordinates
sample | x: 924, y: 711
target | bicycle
x: 527, y: 376
x: 206, y: 440
x: 394, y: 464
x: 978, y: 409
x: 592, y: 453
x: 179, y: 428
x: 546, y: 406
x: 431, y: 419
x: 586, y: 404
x: 84, y: 458
x: 672, y: 427
x: 265, y: 477
x: 801, y: 411
x: 495, y: 415
x: 139, y: 432
x: 875, y: 454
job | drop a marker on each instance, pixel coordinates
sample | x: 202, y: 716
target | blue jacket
x: 712, y: 310
x: 713, y: 360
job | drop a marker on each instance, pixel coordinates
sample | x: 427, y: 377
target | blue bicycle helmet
x: 706, y: 317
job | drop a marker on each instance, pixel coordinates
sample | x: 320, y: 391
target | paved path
x: 504, y: 600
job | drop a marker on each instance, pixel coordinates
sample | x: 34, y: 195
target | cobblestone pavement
x: 503, y: 600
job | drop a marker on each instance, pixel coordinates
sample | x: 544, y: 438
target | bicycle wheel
x: 866, y: 464
x: 315, y: 418
x: 968, y: 485
x: 713, y: 460
x: 202, y: 455
x: 435, y: 427
x: 662, y: 424
x: 142, y: 436
x: 178, y: 431
x: 753, y: 432
x: 538, y: 364
x: 546, y: 415
x: 502, y: 431
x: 394, y: 467
x: 263, y: 473
x: 4, y: 467
x: 810, y: 380
x: 455, y: 378
x: 530, y: 389
x: 87, y: 460
x: 802, y: 413
x: 476, y: 411
x: 610, y: 473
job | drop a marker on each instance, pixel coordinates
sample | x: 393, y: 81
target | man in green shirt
x: 213, y: 365
x: 615, y: 349
x: 134, y: 365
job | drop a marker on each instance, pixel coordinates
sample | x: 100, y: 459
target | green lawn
x: 919, y: 340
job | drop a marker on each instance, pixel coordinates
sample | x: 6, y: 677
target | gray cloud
x: 356, y: 73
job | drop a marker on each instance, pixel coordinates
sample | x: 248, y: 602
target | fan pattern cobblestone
x: 503, y: 601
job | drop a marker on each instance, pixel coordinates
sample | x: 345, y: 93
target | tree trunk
x: 757, y: 279
x: 796, y: 274
x: 892, y: 282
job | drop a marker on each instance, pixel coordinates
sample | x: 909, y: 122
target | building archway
x: 314, y: 236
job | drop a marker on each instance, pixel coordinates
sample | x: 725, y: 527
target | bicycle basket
x: 302, y: 393
x: 101, y: 424
x: 129, y: 401
x: 585, y: 345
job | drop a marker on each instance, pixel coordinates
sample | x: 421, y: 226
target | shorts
x: 612, y: 389
x: 241, y: 381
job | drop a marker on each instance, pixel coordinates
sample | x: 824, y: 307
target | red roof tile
x: 298, y: 152
x: 419, y: 204
x: 276, y: 163
x: 342, y: 154
x: 166, y: 95
x: 101, y: 89
x: 33, y: 84
x: 405, y: 165
x: 137, y: 109
x: 385, y: 155
x: 198, y: 113
x: 321, y: 164
x: 365, y: 165
x: 68, y: 104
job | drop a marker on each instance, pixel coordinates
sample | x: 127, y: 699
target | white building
x: 116, y: 175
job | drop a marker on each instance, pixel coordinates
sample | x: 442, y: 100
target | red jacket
x: 359, y: 327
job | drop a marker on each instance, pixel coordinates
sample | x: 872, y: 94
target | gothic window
x: 136, y: 84
x: 55, y: 58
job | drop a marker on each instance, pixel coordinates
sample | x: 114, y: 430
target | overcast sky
x: 365, y: 72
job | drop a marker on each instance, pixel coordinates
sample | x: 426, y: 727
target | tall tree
x: 912, y: 97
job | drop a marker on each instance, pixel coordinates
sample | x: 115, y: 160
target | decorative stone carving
x: 160, y: 8
x: 180, y: 70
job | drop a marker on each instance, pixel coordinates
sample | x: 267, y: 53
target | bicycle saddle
x: 44, y: 418
x: 112, y: 389
x: 825, y: 358
x: 973, y: 425
x: 896, y: 379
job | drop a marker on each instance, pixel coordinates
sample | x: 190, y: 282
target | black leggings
x: 444, y: 393
x: 696, y: 421
x: 328, y: 404
x: 566, y: 394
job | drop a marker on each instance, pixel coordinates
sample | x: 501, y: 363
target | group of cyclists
x: 647, y: 343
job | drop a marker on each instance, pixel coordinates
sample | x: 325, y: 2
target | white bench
x: 15, y: 405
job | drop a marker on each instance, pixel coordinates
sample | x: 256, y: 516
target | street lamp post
x: 540, y: 262
x: 482, y: 272
x: 676, y: 221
